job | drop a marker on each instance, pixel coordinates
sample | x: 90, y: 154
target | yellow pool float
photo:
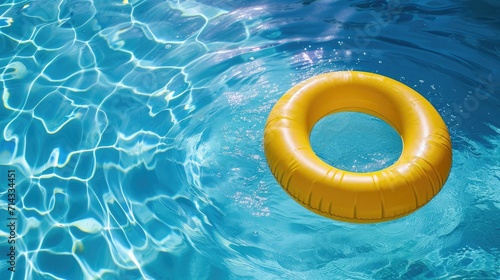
x: 413, y: 180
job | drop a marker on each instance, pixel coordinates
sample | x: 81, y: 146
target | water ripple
x: 135, y: 129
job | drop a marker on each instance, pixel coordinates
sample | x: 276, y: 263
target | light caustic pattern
x: 99, y: 100
x: 135, y: 130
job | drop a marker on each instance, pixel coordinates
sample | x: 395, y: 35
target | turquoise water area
x: 135, y: 131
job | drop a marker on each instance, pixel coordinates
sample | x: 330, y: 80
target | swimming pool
x: 134, y: 130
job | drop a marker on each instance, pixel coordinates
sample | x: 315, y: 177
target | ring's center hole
x: 356, y: 142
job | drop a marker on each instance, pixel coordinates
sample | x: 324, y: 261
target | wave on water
x: 135, y: 129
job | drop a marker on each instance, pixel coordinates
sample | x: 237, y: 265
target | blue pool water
x: 135, y: 132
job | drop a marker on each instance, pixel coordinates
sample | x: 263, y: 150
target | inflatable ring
x: 412, y: 181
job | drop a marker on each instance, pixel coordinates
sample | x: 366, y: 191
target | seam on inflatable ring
x: 383, y: 219
x: 436, y: 173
